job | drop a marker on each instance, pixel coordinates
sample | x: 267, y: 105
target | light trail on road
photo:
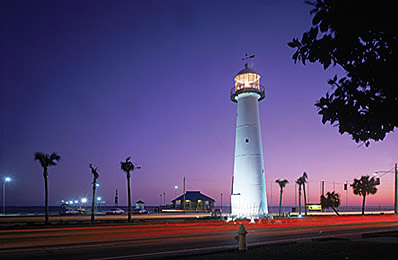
x: 113, y: 240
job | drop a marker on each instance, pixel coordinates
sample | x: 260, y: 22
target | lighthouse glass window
x: 247, y: 81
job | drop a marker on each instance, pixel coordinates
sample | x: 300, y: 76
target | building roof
x: 193, y: 195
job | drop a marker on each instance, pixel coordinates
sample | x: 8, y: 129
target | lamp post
x: 99, y: 203
x: 6, y: 179
x: 164, y: 199
x: 175, y: 195
x: 221, y: 203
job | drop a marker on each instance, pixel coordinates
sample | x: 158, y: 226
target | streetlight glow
x: 84, y: 200
x: 99, y: 198
x: 6, y: 179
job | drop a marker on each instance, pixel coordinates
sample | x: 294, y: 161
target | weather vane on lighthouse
x: 248, y: 198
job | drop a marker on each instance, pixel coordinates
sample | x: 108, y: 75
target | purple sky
x: 97, y: 81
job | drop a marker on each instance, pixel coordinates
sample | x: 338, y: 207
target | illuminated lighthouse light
x: 248, y: 198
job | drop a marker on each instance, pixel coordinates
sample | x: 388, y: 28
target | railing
x: 235, y: 92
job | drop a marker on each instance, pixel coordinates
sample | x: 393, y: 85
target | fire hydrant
x: 241, y: 238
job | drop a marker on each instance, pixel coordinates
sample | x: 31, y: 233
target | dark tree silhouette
x: 304, y: 181
x: 46, y: 161
x: 95, y: 173
x: 361, y: 37
x: 299, y: 181
x: 332, y: 200
x: 127, y: 166
x: 363, y: 187
x: 282, y: 184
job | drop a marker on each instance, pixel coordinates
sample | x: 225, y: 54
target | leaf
x: 326, y: 64
x: 292, y: 44
x: 318, y: 17
x: 313, y: 32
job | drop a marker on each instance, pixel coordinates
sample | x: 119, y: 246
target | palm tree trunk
x: 363, y: 205
x: 299, y: 193
x: 129, y: 199
x: 280, y: 202
x: 45, y: 174
x: 305, y: 200
x: 93, y: 202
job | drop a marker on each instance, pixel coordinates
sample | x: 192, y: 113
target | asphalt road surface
x: 151, y: 240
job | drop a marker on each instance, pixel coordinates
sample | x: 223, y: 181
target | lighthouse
x: 248, y: 198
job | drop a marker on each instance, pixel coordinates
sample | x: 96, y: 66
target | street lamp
x: 221, y: 202
x: 6, y: 179
x: 99, y: 203
x: 164, y: 198
x: 175, y: 195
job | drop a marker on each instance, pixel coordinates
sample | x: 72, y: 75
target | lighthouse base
x: 242, y: 207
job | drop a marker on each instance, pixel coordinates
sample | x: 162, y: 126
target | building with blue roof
x: 194, y: 200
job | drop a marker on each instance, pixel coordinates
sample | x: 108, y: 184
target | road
x: 23, y: 219
x: 148, y: 240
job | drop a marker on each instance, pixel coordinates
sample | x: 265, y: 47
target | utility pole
x: 396, y: 190
x: 271, y: 195
x: 346, y: 193
x: 323, y: 191
x: 308, y: 192
x: 323, y: 188
x: 221, y: 201
x: 164, y: 198
x: 116, y: 200
x: 184, y: 195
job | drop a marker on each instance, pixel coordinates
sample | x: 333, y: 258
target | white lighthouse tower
x: 248, y: 198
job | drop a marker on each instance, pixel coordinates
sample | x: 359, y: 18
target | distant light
x: 97, y: 184
x: 176, y: 187
x: 7, y: 179
x: 84, y: 200
x: 71, y: 202
x: 299, y: 216
x: 76, y: 201
x: 66, y: 202
x: 99, y: 198
x: 62, y: 201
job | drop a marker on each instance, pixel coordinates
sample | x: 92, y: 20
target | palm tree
x: 363, y: 187
x: 299, y: 181
x: 282, y: 184
x: 304, y: 181
x: 95, y: 173
x: 46, y: 161
x: 127, y: 166
x: 332, y: 200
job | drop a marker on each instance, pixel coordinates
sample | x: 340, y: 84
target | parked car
x: 115, y: 211
x: 69, y: 212
x: 64, y: 209
x: 82, y: 211
x: 140, y: 211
